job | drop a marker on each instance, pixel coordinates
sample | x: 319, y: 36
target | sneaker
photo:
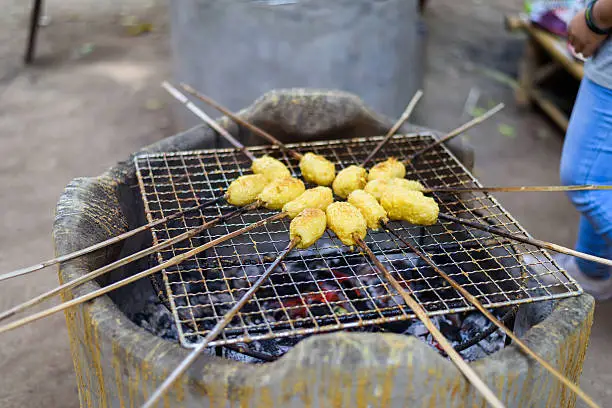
x: 600, y: 289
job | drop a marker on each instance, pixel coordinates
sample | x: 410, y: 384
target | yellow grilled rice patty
x: 309, y: 226
x: 388, y: 169
x: 245, y: 189
x: 270, y: 167
x: 371, y: 210
x: 411, y: 206
x: 318, y: 197
x: 344, y: 220
x: 279, y: 192
x: 349, y: 179
x: 317, y: 169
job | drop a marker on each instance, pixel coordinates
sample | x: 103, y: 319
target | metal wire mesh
x: 329, y: 287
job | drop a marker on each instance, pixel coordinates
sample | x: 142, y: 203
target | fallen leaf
x: 499, y: 76
x: 138, y: 29
x: 153, y: 104
x: 491, y: 104
x: 87, y: 48
x: 506, y: 130
x: 477, y: 112
x: 134, y: 26
x: 83, y: 50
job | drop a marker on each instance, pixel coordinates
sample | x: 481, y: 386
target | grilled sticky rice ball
x: 279, y: 192
x: 405, y: 183
x: 309, y: 225
x: 371, y: 210
x: 245, y: 189
x: 412, y: 206
x: 317, y: 169
x: 349, y: 179
x: 390, y: 168
x: 376, y: 188
x: 270, y: 167
x: 318, y: 197
x: 345, y: 220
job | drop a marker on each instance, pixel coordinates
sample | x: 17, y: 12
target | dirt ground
x: 93, y: 97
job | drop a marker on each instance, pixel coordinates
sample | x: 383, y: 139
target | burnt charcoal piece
x: 450, y: 330
x: 315, y: 298
x: 306, y: 286
x: 394, y: 327
x: 472, y: 326
x: 157, y: 319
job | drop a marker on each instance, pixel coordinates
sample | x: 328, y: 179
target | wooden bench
x: 535, y: 67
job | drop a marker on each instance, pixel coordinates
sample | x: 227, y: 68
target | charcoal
x: 304, y: 288
x: 450, y: 331
x: 157, y: 319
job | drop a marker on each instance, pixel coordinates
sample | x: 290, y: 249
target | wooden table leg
x: 527, y: 69
x: 34, y: 24
x: 550, y: 109
x: 422, y: 4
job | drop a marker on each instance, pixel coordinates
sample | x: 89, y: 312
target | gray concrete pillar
x: 236, y: 50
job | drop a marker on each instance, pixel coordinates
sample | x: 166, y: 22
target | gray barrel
x: 119, y: 364
x: 235, y: 50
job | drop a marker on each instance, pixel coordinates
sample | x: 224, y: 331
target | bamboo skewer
x: 218, y: 328
x: 410, y: 301
x: 526, y: 240
x: 421, y: 314
x: 171, y: 262
x: 454, y: 133
x: 403, y: 118
x: 198, y: 112
x: 298, y: 156
x: 207, y: 119
x: 120, y: 262
x: 476, y: 303
x: 511, y: 189
x: 103, y: 244
x: 240, y: 121
x: 227, y: 318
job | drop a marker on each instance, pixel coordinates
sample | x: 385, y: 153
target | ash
x: 344, y: 290
x: 157, y: 319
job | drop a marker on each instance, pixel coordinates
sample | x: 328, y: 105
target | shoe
x: 600, y: 289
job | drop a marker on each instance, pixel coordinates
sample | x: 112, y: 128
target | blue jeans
x: 587, y: 159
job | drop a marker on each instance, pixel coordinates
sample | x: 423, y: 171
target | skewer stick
x: 530, y: 241
x: 411, y: 105
x: 456, y: 132
x: 207, y: 119
x: 476, y: 303
x: 103, y: 244
x: 171, y: 262
x: 240, y: 121
x: 221, y: 324
x: 120, y: 262
x: 421, y: 314
x: 510, y: 189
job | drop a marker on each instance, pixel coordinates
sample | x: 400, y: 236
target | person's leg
x: 587, y: 159
x: 591, y: 242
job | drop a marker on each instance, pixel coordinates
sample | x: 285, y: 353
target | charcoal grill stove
x: 200, y: 290
x: 118, y: 363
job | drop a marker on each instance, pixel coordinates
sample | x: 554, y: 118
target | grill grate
x: 327, y: 287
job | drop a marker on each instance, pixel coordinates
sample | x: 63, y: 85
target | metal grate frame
x: 201, y: 289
